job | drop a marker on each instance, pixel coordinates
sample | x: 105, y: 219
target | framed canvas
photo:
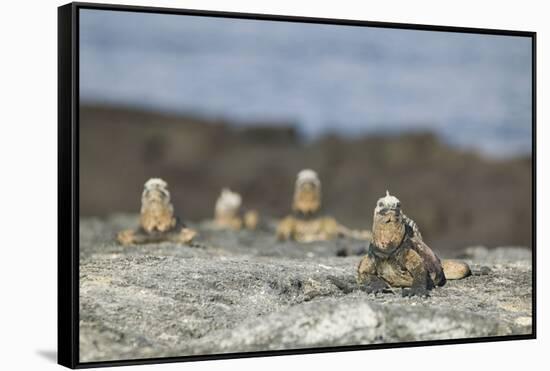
x: 242, y: 185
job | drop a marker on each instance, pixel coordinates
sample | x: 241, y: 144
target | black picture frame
x: 68, y: 175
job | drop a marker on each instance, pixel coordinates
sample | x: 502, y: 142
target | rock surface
x: 244, y: 291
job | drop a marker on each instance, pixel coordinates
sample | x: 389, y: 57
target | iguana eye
x: 399, y: 204
x: 380, y: 204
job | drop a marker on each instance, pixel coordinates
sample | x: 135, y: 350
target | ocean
x: 474, y: 91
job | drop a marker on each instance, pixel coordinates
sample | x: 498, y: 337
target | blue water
x: 472, y: 90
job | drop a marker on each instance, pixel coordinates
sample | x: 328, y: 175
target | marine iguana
x: 228, y: 215
x: 398, y: 256
x: 306, y: 224
x: 157, y: 222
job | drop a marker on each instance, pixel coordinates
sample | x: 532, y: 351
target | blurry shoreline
x: 457, y: 197
x: 473, y: 90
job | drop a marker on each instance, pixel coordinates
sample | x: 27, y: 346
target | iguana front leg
x: 286, y: 228
x: 139, y: 237
x: 374, y: 285
x: 419, y: 286
x: 421, y: 280
x: 367, y: 279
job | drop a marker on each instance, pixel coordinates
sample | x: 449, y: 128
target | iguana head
x: 388, y: 227
x: 388, y: 205
x: 307, y: 192
x: 155, y: 189
x: 228, y: 203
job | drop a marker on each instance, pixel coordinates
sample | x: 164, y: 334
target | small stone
x: 483, y: 271
x: 524, y: 321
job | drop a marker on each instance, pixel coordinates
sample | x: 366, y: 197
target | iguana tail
x: 455, y: 270
x: 356, y: 234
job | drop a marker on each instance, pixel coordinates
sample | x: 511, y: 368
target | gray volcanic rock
x: 244, y: 291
